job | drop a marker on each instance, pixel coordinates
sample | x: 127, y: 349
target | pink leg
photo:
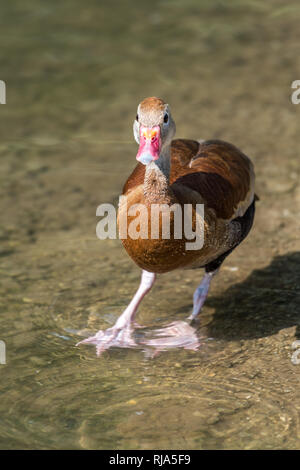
x: 120, y: 334
x: 200, y: 294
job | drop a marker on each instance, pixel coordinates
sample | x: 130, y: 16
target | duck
x: 177, y: 173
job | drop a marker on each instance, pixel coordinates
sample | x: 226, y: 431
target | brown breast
x: 223, y: 178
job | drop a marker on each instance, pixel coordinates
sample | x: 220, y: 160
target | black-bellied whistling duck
x: 213, y: 173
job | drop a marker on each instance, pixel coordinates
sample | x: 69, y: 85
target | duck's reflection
x: 178, y: 334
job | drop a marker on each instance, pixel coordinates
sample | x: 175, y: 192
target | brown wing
x: 219, y: 171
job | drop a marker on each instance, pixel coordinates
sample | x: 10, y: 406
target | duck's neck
x: 156, y: 181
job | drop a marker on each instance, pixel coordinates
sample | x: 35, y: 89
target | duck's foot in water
x: 112, y: 337
x: 178, y: 334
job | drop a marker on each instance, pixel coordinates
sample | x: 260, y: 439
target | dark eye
x: 166, y: 118
x: 137, y: 118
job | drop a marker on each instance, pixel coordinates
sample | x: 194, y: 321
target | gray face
x: 155, y: 116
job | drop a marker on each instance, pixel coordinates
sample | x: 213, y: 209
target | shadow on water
x: 266, y: 302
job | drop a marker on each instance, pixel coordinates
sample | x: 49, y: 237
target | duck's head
x: 153, y: 129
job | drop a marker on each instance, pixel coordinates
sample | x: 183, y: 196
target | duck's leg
x: 120, y: 334
x: 201, y: 292
x: 180, y: 334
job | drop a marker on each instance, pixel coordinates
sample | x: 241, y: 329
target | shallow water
x: 74, y: 74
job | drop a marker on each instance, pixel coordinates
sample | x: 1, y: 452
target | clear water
x: 75, y: 73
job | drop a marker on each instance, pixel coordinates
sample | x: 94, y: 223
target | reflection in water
x: 178, y: 334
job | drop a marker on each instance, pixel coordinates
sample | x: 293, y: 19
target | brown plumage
x: 216, y: 169
x: 212, y: 173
